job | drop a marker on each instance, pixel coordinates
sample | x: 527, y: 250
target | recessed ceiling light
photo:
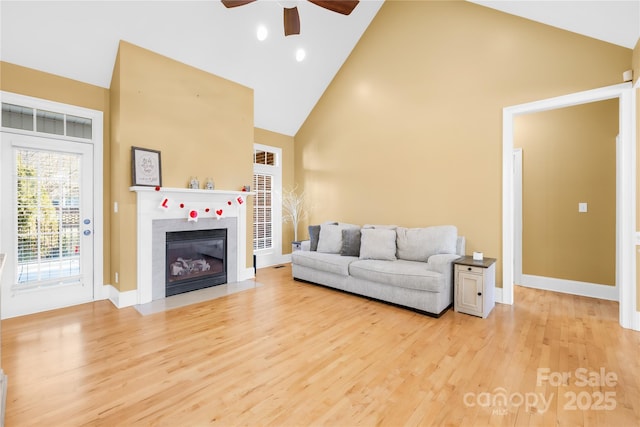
x: 262, y: 33
x: 300, y: 54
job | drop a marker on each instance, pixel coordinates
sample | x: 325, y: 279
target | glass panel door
x: 48, y: 230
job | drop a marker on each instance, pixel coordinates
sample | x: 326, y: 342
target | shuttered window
x: 262, y: 212
x: 265, y: 163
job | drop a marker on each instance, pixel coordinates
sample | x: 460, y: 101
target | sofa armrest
x: 443, y: 264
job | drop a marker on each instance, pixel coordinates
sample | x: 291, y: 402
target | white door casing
x: 626, y: 192
x: 89, y: 150
x: 67, y: 279
x: 273, y: 255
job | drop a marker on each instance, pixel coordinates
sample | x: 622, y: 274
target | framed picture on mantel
x: 146, y: 169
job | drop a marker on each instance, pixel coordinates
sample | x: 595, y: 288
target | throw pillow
x: 418, y: 244
x: 350, y: 242
x: 314, y: 236
x: 378, y: 243
x: 330, y: 239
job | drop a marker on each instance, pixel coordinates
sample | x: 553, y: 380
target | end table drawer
x: 468, y: 268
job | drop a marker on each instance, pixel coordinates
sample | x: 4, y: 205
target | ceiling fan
x: 291, y: 17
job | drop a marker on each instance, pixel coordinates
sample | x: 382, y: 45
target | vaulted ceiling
x: 79, y: 40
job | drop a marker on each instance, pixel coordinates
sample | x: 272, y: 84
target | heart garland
x: 194, y: 214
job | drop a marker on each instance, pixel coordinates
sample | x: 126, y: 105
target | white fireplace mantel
x: 213, y: 209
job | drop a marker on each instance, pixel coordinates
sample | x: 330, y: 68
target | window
x: 267, y: 212
x: 262, y: 211
x: 43, y: 121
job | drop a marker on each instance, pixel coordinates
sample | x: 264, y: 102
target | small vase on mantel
x: 194, y: 184
x: 209, y: 185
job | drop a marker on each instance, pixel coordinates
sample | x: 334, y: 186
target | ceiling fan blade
x: 235, y: 3
x: 291, y: 21
x: 344, y: 7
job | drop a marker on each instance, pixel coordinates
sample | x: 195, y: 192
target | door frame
x: 626, y: 191
x: 517, y: 215
x: 97, y: 164
x: 273, y: 255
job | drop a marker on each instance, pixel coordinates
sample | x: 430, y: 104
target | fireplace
x: 155, y: 221
x: 195, y: 260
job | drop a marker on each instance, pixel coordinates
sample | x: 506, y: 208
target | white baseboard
x: 268, y: 261
x: 497, y: 295
x: 121, y: 299
x: 572, y: 287
x: 246, y: 274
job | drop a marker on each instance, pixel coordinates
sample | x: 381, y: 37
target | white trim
x: 272, y: 259
x: 626, y: 215
x: 517, y: 204
x: 497, y: 295
x: 271, y: 256
x: 245, y: 274
x: 121, y: 299
x: 572, y: 287
x: 97, y: 127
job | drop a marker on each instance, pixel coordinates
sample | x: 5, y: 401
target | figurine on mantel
x: 194, y: 184
x: 209, y: 185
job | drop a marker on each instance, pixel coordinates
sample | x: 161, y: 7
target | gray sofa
x: 410, y: 267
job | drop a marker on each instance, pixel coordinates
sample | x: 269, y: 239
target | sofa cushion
x: 401, y: 273
x: 350, y: 242
x: 378, y: 243
x: 330, y: 263
x: 418, y: 244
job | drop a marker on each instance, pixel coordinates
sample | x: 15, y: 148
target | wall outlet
x: 115, y: 207
x: 582, y: 207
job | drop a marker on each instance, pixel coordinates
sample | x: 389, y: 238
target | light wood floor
x: 295, y: 354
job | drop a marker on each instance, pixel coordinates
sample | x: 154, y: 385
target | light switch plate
x: 582, y: 207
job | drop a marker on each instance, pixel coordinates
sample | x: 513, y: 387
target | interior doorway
x: 565, y: 218
x: 626, y: 172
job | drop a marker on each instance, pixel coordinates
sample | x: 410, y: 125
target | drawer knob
x: 469, y: 268
x: 479, y: 294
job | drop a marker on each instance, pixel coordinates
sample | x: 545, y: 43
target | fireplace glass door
x: 195, y: 260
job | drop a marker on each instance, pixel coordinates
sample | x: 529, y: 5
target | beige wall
x: 569, y: 156
x: 410, y: 130
x: 202, y: 124
x: 181, y: 111
x: 285, y: 143
x: 29, y: 82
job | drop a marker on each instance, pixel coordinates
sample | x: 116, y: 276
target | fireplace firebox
x: 195, y: 260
